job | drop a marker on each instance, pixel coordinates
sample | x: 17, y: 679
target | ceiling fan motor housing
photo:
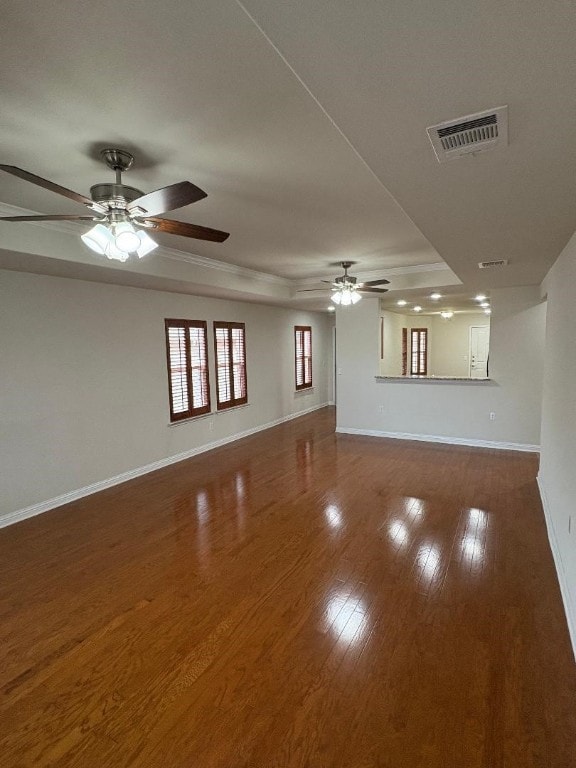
x: 115, y: 195
x: 348, y: 279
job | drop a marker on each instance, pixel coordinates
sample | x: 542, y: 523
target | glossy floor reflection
x: 298, y: 599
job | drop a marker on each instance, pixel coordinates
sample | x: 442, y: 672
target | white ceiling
x: 306, y: 125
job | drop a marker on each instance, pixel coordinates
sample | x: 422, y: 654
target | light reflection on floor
x: 202, y: 507
x: 472, y: 547
x: 478, y: 517
x: 414, y: 508
x: 428, y: 562
x: 473, y: 542
x: 347, y: 618
x: 240, y: 486
x: 333, y: 516
x: 398, y: 532
x: 402, y: 531
x: 346, y: 614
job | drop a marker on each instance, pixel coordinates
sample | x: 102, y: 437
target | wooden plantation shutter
x: 238, y: 349
x: 187, y: 358
x: 223, y: 378
x: 419, y: 351
x: 303, y: 356
x: 230, y: 349
x: 404, y: 351
x: 198, y: 338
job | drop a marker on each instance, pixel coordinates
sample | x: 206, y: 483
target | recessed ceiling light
x: 447, y: 315
x: 417, y: 308
x: 485, y: 305
x: 401, y: 303
x: 480, y: 297
x: 487, y: 311
x: 331, y: 309
x: 435, y: 296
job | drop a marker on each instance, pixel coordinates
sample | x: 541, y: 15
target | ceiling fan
x: 346, y: 289
x: 122, y: 213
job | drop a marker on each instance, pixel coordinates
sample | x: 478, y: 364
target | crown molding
x: 224, y: 266
x: 71, y: 228
x: 437, y: 266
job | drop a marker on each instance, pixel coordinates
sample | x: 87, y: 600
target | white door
x: 479, y: 345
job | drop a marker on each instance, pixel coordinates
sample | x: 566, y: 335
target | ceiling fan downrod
x: 116, y: 195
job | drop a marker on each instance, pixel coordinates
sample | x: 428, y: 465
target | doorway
x: 479, y: 349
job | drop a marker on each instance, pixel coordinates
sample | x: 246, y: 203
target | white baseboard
x: 79, y: 493
x: 440, y: 439
x: 567, y: 599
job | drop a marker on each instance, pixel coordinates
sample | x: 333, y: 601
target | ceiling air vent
x: 491, y: 264
x: 470, y: 134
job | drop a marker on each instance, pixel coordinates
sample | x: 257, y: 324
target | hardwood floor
x: 296, y: 599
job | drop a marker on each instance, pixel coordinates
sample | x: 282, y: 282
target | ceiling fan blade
x: 373, y: 290
x: 50, y: 217
x: 305, y: 290
x: 376, y: 282
x: 52, y: 187
x: 188, y: 230
x: 167, y: 199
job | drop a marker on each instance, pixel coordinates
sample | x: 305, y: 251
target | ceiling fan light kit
x: 122, y: 213
x: 345, y: 295
x: 120, y: 243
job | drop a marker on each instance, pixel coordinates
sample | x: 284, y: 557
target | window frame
x: 191, y: 411
x: 300, y: 361
x: 404, y: 351
x: 234, y: 401
x: 415, y: 333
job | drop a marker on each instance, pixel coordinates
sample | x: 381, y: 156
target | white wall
x: 394, y: 322
x: 448, y: 342
x: 451, y: 348
x: 391, y: 363
x: 84, y: 387
x: 558, y: 456
x: 452, y: 411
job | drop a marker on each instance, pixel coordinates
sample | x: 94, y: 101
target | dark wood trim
x: 186, y: 325
x: 404, y: 351
x: 306, y: 384
x: 418, y: 331
x: 234, y: 401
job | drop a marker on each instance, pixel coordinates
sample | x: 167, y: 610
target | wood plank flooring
x: 298, y: 599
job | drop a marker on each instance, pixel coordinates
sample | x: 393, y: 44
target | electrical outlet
x: 211, y: 425
x: 492, y: 416
x: 380, y: 409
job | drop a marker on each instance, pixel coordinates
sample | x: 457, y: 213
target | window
x: 303, y: 356
x: 187, y: 356
x: 419, y: 350
x: 230, y: 347
x: 404, y: 351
